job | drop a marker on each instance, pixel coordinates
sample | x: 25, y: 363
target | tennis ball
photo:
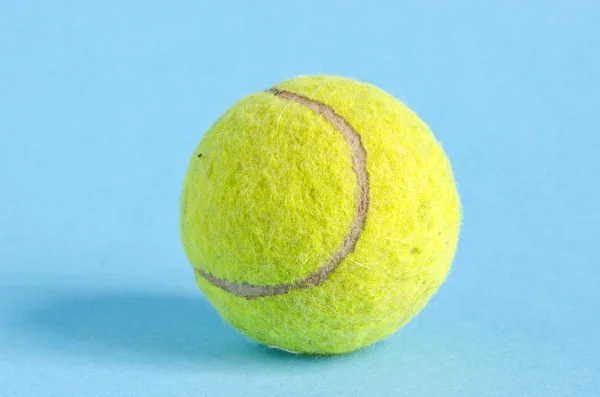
x: 320, y: 215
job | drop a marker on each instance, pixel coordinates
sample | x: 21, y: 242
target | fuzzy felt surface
x: 270, y: 193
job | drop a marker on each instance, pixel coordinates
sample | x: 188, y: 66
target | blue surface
x: 102, y: 104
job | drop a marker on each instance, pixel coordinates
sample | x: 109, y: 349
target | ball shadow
x: 154, y: 329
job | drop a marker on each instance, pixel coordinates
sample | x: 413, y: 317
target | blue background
x: 102, y: 104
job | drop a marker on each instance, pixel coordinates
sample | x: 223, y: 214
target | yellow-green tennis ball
x: 320, y: 215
